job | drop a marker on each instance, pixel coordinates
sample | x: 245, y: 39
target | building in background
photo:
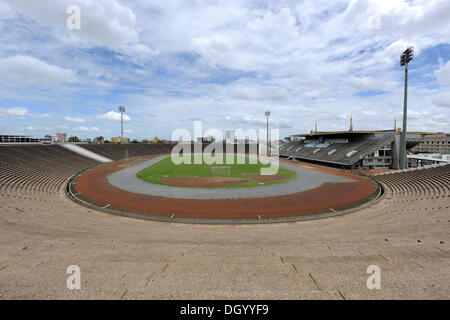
x: 435, y: 143
x: 117, y: 140
x: 61, y: 137
x: 20, y: 139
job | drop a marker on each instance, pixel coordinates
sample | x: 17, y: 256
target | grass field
x: 167, y: 169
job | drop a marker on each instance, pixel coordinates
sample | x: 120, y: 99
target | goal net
x: 220, y: 171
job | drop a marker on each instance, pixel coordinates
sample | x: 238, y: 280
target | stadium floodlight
x: 407, y: 56
x: 405, y: 59
x: 268, y: 113
x: 121, y: 110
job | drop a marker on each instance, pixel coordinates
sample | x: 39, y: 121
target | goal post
x: 220, y: 171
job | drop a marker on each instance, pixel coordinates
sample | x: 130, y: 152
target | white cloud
x: 258, y: 123
x: 26, y: 69
x: 5, y: 11
x: 413, y: 114
x: 74, y: 120
x: 84, y: 129
x: 271, y: 23
x: 103, y: 22
x: 96, y: 129
x: 113, y: 116
x: 442, y: 100
x: 181, y: 60
x: 17, y: 112
x: 258, y: 92
x: 43, y: 116
x: 370, y: 113
x: 443, y: 74
x: 363, y: 83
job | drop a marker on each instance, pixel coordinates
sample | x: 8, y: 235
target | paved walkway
x: 307, y: 179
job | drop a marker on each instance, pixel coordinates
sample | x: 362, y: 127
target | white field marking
x: 107, y: 206
x: 332, y: 209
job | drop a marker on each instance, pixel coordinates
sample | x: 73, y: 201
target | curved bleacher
x: 430, y: 182
x: 42, y: 170
x: 37, y: 170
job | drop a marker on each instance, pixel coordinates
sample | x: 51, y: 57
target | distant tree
x: 47, y: 136
x: 145, y: 141
x: 74, y: 139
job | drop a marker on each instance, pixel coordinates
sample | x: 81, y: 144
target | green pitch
x: 167, y: 169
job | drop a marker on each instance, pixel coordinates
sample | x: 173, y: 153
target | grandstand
x: 349, y: 149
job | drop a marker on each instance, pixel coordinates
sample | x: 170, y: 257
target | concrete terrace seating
x: 37, y: 170
x: 118, y: 151
x: 432, y: 182
x: 42, y: 170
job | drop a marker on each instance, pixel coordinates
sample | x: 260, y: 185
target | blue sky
x: 225, y: 62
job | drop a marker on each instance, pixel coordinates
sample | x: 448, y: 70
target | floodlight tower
x: 121, y: 110
x: 405, y: 58
x: 268, y: 115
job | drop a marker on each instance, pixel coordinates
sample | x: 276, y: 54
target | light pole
x: 268, y: 115
x: 405, y: 58
x: 121, y: 110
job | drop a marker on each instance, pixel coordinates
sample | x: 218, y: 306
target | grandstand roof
x: 322, y: 133
x: 439, y: 135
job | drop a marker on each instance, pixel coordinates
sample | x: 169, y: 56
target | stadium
x: 60, y: 205
x: 107, y: 194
